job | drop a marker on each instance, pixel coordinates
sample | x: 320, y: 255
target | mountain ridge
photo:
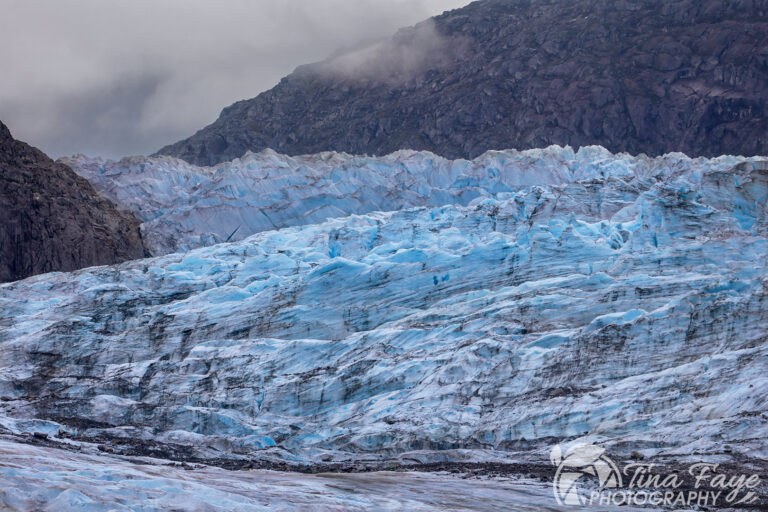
x: 640, y: 77
x: 53, y: 219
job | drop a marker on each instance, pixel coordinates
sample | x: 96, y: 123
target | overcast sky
x: 119, y: 77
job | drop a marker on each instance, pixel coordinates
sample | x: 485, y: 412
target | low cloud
x: 408, y: 54
x: 120, y: 78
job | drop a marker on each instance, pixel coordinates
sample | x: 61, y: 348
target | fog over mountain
x: 122, y: 78
x: 648, y: 76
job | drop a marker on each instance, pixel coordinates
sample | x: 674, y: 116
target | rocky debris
x: 53, y: 220
x: 649, y: 76
x: 43, y: 478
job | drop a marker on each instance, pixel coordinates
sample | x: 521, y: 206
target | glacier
x: 556, y: 297
x: 183, y: 206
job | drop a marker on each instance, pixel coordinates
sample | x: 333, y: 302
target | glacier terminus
x: 496, y: 308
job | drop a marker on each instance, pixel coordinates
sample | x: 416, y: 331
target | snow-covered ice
x: 51, y: 480
x: 183, y: 206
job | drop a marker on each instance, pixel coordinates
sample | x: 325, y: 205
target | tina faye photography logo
x: 586, y: 476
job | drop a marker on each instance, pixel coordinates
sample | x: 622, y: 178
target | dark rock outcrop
x: 650, y: 76
x: 52, y: 219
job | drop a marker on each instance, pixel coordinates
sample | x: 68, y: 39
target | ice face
x: 623, y: 303
x: 183, y: 206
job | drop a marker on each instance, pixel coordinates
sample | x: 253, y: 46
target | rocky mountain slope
x: 626, y: 307
x: 183, y: 206
x: 53, y: 220
x: 651, y: 76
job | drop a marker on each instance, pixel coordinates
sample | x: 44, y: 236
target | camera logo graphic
x: 583, y: 466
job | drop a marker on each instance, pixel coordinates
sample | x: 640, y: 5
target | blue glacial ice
x: 599, y: 298
x: 183, y: 206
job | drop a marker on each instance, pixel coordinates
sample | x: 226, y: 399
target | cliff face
x: 649, y: 76
x: 53, y: 220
